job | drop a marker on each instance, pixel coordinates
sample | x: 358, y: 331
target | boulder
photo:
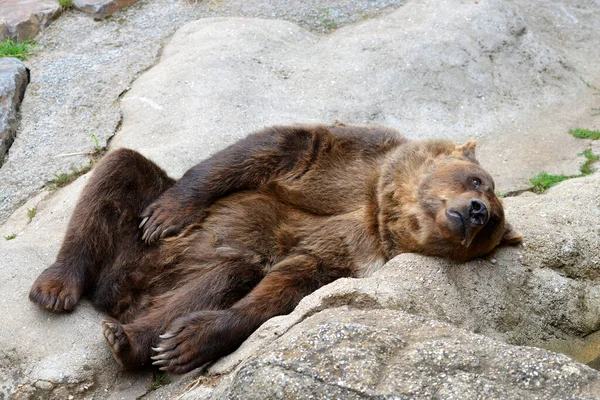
x: 101, y: 8
x: 24, y: 19
x: 14, y: 77
x: 345, y: 353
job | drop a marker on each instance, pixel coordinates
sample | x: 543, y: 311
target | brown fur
x: 250, y: 231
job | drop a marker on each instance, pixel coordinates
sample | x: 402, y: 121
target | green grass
x: 65, y: 3
x: 31, y: 212
x: 590, y: 159
x: 10, y: 237
x: 544, y: 181
x: 11, y: 48
x: 580, y: 133
x: 64, y: 178
x: 158, y: 379
x: 97, y: 147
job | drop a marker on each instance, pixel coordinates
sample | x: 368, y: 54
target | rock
x: 419, y: 69
x: 14, y: 77
x: 218, y: 79
x: 66, y: 350
x: 24, y: 19
x: 357, y: 354
x: 101, y: 8
x: 44, y: 385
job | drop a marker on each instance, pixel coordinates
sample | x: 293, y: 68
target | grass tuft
x: 31, y: 213
x: 580, y: 133
x: 590, y: 159
x: 11, y: 236
x: 159, y: 379
x: 64, y: 178
x: 326, y: 19
x: 544, y: 181
x: 65, y: 3
x: 11, y: 48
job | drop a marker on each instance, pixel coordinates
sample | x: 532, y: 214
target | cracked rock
x: 355, y: 354
x: 14, y: 78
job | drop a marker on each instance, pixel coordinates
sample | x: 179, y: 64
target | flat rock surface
x: 14, y: 78
x: 24, y: 19
x: 346, y: 353
x: 420, y: 69
x: 78, y: 79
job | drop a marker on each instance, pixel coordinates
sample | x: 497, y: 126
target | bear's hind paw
x: 53, y: 291
x: 116, y: 339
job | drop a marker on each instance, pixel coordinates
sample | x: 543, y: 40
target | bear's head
x: 435, y: 199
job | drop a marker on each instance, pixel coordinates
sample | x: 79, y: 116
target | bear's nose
x: 478, y: 213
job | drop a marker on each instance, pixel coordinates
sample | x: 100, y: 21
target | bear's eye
x: 476, y: 182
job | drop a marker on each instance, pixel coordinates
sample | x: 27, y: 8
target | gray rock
x: 14, y: 77
x: 218, y: 79
x: 24, y: 19
x: 101, y: 8
x: 343, y: 353
x: 469, y: 72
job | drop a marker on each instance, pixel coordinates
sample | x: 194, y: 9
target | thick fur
x: 247, y: 233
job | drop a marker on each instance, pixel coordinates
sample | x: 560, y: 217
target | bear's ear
x: 511, y: 236
x: 466, y: 151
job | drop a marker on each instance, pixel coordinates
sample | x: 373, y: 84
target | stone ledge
x: 14, y: 77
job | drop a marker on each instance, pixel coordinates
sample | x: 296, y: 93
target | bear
x: 186, y: 270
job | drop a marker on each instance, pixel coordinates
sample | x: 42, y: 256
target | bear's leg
x: 221, y: 284
x: 105, y: 220
x: 203, y: 336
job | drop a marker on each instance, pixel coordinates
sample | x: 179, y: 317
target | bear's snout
x: 478, y: 213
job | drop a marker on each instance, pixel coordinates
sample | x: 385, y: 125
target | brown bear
x: 247, y: 233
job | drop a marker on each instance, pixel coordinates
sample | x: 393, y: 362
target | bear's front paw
x: 194, y: 340
x: 56, y: 290
x: 165, y: 217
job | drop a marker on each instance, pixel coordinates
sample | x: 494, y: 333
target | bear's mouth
x: 464, y: 230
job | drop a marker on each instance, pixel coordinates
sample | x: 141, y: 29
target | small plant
x: 158, y: 379
x: 11, y: 236
x: 11, y: 48
x: 580, y: 133
x: 31, y: 212
x: 63, y: 178
x: 325, y: 19
x: 65, y: 3
x: 544, y: 181
x: 590, y: 159
x: 97, y: 147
